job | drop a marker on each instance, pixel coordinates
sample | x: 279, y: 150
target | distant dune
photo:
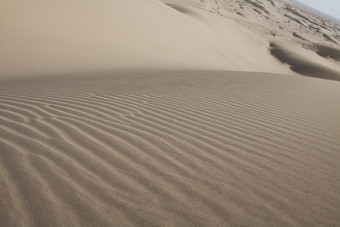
x: 168, y: 113
x: 304, y: 66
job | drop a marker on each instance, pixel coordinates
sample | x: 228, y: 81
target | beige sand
x: 82, y: 36
x: 85, y: 36
x: 168, y: 113
x: 170, y: 149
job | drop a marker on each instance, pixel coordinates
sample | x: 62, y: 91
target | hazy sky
x: 330, y: 7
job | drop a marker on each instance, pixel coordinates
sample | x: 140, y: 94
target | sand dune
x: 168, y: 113
x: 305, y: 66
x: 155, y: 149
x: 59, y: 38
x: 303, y: 31
x: 328, y: 52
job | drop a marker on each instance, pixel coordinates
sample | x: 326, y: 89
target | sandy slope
x: 109, y: 115
x: 299, y: 33
x: 61, y: 37
x: 170, y: 149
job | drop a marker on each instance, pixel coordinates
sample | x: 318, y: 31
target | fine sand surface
x: 170, y: 149
x: 168, y: 113
x: 82, y: 36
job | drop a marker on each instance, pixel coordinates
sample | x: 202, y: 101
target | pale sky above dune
x: 330, y: 7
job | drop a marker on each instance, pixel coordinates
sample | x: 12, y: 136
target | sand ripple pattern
x: 170, y: 149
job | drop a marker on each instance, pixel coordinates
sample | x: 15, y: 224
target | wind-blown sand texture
x: 168, y: 113
x: 170, y: 149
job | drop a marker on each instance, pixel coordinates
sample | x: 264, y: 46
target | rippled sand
x: 170, y: 149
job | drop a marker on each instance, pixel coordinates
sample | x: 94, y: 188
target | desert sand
x: 168, y: 113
